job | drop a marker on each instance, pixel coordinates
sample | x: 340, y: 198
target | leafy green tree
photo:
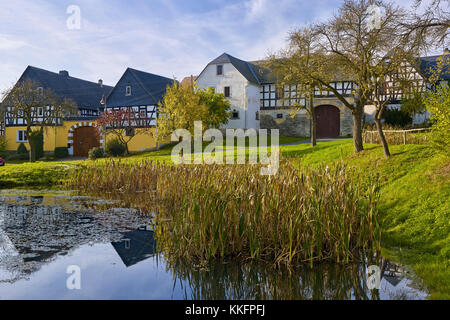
x: 413, y: 105
x: 437, y: 103
x: 218, y: 107
x: 182, y: 105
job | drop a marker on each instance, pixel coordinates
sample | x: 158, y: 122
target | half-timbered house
x: 136, y: 96
x: 257, y: 101
x: 76, y: 132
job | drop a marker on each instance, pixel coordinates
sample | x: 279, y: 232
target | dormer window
x: 219, y: 70
x: 128, y: 91
x: 40, y: 91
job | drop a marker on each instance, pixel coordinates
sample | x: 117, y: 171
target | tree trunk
x: 313, y: 124
x: 357, y: 129
x: 387, y: 154
x: 32, y: 143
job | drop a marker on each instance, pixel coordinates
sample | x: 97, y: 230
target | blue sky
x: 173, y: 38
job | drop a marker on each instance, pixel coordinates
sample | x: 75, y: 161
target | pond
x: 63, y: 245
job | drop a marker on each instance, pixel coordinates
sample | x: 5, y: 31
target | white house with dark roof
x: 238, y: 81
x: 258, y: 102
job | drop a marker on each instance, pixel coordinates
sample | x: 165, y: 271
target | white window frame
x: 128, y: 91
x: 24, y: 136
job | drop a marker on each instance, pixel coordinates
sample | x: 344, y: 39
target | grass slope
x: 414, y: 201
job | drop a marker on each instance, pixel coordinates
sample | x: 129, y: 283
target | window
x: 227, y: 92
x: 279, y: 116
x: 128, y: 91
x: 40, y: 91
x: 22, y: 136
x: 219, y: 70
x: 129, y: 132
x: 235, y: 114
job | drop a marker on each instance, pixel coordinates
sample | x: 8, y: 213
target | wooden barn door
x: 328, y: 121
x: 84, y: 139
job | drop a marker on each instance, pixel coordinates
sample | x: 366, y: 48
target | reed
x: 228, y: 212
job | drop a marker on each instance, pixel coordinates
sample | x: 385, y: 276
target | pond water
x: 44, y: 235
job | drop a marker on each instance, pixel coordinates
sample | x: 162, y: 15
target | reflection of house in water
x: 33, y: 234
x: 135, y: 246
x: 392, y: 273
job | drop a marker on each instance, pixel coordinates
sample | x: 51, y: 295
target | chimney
x: 64, y: 73
x: 446, y: 51
x: 100, y: 82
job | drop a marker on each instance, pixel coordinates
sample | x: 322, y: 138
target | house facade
x: 258, y: 102
x: 236, y: 79
x: 419, y: 75
x: 138, y: 92
x: 74, y: 132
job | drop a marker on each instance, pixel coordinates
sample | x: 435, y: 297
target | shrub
x: 61, y: 152
x: 438, y: 104
x: 22, y: 152
x: 395, y: 117
x: 96, y: 153
x: 39, y: 143
x: 114, y: 148
x: 2, y: 147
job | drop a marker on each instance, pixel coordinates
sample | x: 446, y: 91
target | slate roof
x: 153, y: 87
x: 142, y: 245
x: 86, y: 94
x: 429, y: 64
x: 249, y: 70
x: 257, y: 73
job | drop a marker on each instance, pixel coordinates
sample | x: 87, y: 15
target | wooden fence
x: 411, y: 136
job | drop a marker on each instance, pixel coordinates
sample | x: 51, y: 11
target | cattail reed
x: 228, y: 212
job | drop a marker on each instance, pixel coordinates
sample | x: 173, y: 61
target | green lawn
x: 414, y: 200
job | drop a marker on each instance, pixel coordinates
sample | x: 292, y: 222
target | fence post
x: 404, y: 137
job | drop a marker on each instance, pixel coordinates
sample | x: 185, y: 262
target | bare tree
x: 366, y: 42
x: 293, y: 67
x: 432, y: 25
x: 38, y: 107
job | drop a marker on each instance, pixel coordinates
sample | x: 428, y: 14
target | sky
x: 172, y: 38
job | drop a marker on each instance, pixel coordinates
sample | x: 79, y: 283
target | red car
x: 2, y: 162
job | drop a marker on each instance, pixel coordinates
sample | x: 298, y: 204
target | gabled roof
x: 429, y: 64
x: 86, y: 94
x: 153, y: 85
x: 249, y: 70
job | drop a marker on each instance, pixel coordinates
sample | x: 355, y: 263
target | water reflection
x: 41, y: 234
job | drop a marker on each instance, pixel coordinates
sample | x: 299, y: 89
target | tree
x: 437, y: 103
x: 413, y: 104
x: 39, y: 108
x: 432, y: 25
x: 289, y: 67
x: 217, y: 107
x: 124, y: 124
x: 366, y: 41
x: 181, y: 106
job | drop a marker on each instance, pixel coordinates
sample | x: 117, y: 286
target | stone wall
x: 299, y: 125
